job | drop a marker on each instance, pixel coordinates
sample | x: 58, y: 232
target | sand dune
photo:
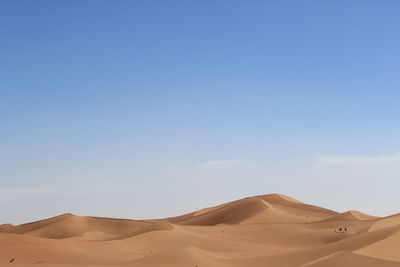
x: 386, y: 222
x: 349, y: 259
x: 351, y: 215
x: 274, y: 208
x: 269, y: 230
x: 68, y: 225
x: 5, y: 226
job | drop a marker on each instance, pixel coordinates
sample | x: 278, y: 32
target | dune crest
x: 386, y: 222
x: 287, y: 198
x: 351, y: 215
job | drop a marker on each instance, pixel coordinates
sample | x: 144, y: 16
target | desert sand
x: 269, y: 230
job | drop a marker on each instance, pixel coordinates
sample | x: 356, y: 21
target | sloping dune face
x: 68, y: 225
x: 5, y: 226
x: 267, y: 230
x: 351, y: 215
x: 349, y: 259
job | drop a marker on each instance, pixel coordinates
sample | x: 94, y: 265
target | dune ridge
x: 266, y: 230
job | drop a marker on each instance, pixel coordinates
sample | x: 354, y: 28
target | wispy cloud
x: 222, y: 163
x: 360, y: 160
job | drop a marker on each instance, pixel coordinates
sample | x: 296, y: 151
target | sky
x: 150, y: 109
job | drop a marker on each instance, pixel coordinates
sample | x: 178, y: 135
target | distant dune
x: 269, y: 230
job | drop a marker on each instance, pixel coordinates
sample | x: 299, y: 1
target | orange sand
x: 270, y: 230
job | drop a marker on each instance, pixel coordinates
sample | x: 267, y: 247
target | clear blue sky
x: 155, y: 108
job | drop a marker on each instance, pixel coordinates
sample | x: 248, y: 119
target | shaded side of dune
x: 350, y: 259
